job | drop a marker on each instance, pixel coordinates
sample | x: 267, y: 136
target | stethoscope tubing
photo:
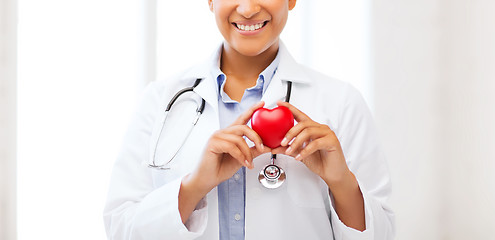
x: 200, y: 109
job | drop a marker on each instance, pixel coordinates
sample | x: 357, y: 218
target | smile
x: 252, y: 27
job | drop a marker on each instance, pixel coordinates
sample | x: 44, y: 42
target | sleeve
x: 135, y: 209
x: 359, y: 140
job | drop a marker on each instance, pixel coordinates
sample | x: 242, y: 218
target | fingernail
x: 298, y: 157
x: 287, y: 152
x: 247, y: 163
x: 284, y: 141
x: 262, y: 147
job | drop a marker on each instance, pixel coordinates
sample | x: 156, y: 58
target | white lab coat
x: 143, y: 202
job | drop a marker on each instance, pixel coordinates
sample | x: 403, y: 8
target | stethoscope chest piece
x: 272, y: 176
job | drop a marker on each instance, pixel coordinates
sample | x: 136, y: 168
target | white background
x: 76, y: 90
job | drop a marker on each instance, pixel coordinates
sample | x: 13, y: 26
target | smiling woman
x: 76, y: 88
x: 211, y: 190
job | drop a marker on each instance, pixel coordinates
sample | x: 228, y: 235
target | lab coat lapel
x: 208, y: 123
x: 288, y: 70
x: 207, y: 89
x: 276, y: 91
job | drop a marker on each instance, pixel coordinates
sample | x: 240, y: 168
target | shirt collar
x: 263, y: 80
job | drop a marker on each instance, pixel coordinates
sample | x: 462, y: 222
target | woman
x: 337, y: 180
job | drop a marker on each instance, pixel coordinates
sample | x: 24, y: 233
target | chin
x: 250, y: 52
x: 251, y: 49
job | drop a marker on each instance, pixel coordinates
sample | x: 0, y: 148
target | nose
x: 248, y: 8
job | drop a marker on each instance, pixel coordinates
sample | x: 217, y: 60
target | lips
x: 249, y: 26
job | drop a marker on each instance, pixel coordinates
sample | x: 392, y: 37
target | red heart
x: 272, y: 124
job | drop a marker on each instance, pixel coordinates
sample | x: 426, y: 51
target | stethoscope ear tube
x: 182, y: 91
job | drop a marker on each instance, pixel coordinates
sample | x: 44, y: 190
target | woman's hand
x: 227, y: 151
x: 316, y: 145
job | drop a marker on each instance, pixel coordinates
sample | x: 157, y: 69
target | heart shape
x: 272, y: 124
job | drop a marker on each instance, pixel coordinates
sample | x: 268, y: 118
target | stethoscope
x: 271, y: 176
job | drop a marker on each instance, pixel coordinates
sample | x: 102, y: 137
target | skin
x: 244, y: 57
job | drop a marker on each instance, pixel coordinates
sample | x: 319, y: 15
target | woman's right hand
x: 227, y: 151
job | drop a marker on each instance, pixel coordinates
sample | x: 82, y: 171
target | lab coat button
x: 237, y: 216
x: 237, y: 176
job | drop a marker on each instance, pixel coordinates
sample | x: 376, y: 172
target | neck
x: 246, y: 69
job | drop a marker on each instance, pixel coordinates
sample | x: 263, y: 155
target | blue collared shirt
x: 232, y: 192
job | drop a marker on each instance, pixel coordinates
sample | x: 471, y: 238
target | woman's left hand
x: 316, y: 145
x: 319, y: 149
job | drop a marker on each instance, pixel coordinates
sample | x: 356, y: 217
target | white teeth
x: 250, y: 27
